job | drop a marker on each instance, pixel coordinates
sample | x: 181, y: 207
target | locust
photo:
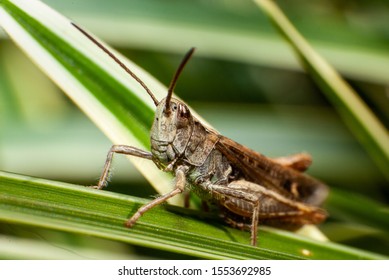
x: 246, y: 187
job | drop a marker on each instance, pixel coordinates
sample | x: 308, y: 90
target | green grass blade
x: 362, y: 121
x: 76, y: 209
x: 21, y: 248
x: 355, y: 208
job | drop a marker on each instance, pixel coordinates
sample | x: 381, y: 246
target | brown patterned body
x: 247, y: 187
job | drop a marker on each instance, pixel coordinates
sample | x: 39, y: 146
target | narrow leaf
x: 361, y: 120
x: 60, y: 206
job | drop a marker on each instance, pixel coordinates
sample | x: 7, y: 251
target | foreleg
x: 119, y: 149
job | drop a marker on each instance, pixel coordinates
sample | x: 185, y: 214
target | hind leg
x: 299, y: 162
x: 251, y: 203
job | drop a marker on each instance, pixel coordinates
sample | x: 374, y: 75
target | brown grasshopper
x: 247, y: 187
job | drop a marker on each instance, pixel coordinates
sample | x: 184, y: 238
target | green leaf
x: 355, y: 208
x: 356, y: 114
x: 77, y: 209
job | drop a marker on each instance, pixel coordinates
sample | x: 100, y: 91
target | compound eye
x: 174, y: 106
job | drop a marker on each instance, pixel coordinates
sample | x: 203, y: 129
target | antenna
x: 132, y: 74
x: 175, y: 78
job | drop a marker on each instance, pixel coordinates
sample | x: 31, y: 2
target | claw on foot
x: 94, y: 187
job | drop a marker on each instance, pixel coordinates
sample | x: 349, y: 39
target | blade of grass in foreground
x: 362, y: 121
x: 71, y: 208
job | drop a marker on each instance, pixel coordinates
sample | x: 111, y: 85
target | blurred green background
x: 243, y: 79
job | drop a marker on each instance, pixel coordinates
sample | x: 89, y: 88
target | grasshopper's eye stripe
x: 182, y: 109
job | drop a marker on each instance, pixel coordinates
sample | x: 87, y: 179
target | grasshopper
x: 247, y: 187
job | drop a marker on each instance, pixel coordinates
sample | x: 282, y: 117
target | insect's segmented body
x: 178, y: 140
